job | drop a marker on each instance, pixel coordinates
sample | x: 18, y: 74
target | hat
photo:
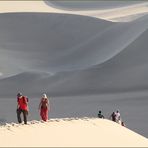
x: 44, y: 96
x: 19, y: 94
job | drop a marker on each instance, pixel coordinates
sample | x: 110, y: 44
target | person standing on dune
x: 100, y: 114
x: 44, y: 107
x: 113, y: 117
x: 118, y: 117
x: 22, y: 107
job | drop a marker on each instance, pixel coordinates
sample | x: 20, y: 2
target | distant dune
x: 118, y: 11
x: 40, y: 46
x: 89, y: 5
x: 85, y: 51
x: 121, y: 11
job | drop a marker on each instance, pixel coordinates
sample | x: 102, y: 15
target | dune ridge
x: 74, y: 130
x: 94, y: 5
x: 113, y: 11
x: 116, y: 11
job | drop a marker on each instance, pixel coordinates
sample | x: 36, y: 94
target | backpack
x: 22, y: 102
x: 25, y: 100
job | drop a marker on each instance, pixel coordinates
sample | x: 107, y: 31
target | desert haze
x: 87, y: 56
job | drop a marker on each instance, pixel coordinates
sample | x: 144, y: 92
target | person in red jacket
x: 22, y: 107
x: 44, y: 107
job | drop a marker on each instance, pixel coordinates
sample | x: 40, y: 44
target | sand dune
x: 40, y: 45
x: 37, y: 51
x: 70, y: 132
x: 89, y: 5
x: 42, y: 6
x: 75, y: 53
x: 113, y: 11
x: 28, y: 6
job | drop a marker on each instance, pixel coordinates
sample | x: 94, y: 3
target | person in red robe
x: 44, y: 107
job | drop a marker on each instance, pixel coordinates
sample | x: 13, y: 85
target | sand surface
x: 86, y: 58
x: 70, y: 132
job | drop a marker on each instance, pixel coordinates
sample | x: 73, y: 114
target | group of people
x: 115, y: 116
x: 22, y: 107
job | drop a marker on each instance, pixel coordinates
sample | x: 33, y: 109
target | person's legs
x: 25, y: 116
x: 46, y: 114
x: 42, y: 114
x: 19, y: 115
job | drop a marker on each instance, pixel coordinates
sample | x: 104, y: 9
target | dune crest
x: 113, y: 11
x: 69, y: 132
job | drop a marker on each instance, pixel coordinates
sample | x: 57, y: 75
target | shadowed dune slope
x: 113, y: 58
x: 42, y: 40
x: 125, y: 72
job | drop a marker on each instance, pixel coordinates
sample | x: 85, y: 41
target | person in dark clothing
x: 22, y: 107
x: 123, y: 124
x: 113, y: 117
x: 100, y: 115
